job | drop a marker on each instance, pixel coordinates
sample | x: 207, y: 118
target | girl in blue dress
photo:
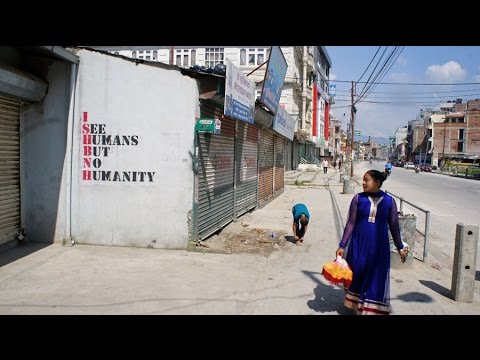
x: 372, y: 212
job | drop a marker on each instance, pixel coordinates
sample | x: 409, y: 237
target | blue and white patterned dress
x: 366, y: 234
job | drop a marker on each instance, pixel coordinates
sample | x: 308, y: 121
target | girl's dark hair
x: 377, y: 175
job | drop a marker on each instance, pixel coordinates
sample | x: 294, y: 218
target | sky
x: 389, y: 107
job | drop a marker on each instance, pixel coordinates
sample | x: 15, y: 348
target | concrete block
x: 348, y: 186
x: 408, y: 225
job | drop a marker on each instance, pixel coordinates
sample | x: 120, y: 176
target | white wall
x: 400, y: 135
x: 157, y: 107
x: 292, y: 102
x: 437, y: 118
x: 293, y: 71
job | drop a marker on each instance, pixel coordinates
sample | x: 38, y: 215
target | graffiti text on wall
x: 97, y: 145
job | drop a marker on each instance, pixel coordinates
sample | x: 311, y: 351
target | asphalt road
x: 450, y: 200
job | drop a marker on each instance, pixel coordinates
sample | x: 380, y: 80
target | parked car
x: 426, y: 168
x: 409, y: 165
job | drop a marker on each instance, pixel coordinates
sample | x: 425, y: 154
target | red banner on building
x: 327, y: 120
x: 315, y: 112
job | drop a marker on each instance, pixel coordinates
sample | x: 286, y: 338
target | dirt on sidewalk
x: 241, y: 238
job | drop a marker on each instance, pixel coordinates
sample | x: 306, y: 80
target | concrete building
x: 36, y: 92
x: 304, y: 95
x: 334, y: 138
x: 401, y: 143
x: 417, y: 142
x: 456, y: 135
x: 132, y: 179
x: 321, y: 101
x: 102, y: 149
x: 430, y: 121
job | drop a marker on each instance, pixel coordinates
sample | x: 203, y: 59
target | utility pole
x: 352, y: 126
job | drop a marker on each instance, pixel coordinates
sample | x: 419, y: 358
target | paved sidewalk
x: 421, y: 289
x: 86, y: 279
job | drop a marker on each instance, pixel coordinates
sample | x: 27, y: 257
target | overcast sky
x: 391, y: 106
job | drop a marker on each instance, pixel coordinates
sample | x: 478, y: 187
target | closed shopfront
x: 266, y: 166
x: 295, y: 154
x: 215, y: 175
x: 9, y: 169
x: 246, y: 150
x: 302, y: 151
x: 288, y: 156
x: 279, y: 169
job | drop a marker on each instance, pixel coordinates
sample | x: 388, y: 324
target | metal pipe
x: 353, y: 131
x: 444, y: 134
x: 427, y: 229
x: 235, y: 177
x: 69, y: 155
x: 195, y: 167
x: 427, y: 221
x: 408, y: 202
x: 258, y: 67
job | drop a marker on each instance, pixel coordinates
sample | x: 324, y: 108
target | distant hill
x: 377, y: 139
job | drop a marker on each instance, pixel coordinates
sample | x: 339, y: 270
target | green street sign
x: 208, y: 125
x: 357, y: 133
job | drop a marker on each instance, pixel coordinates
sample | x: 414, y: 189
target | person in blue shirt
x: 388, y: 168
x: 301, y: 217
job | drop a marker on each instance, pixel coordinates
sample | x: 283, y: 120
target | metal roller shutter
x: 9, y: 169
x: 288, y: 156
x: 246, y: 149
x: 279, y: 164
x: 265, y: 162
x: 215, y: 176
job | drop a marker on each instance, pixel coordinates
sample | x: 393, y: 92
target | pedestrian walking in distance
x: 372, y: 213
x: 325, y: 165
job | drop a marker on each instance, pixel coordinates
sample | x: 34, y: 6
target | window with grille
x: 193, y: 57
x: 253, y: 57
x: 185, y: 57
x: 214, y: 56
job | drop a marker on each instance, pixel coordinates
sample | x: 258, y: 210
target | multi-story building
x: 304, y: 95
x: 400, y: 144
x: 416, y: 141
x: 334, y: 138
x: 321, y: 101
x: 456, y: 135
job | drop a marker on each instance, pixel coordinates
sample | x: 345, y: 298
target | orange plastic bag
x: 338, y: 272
